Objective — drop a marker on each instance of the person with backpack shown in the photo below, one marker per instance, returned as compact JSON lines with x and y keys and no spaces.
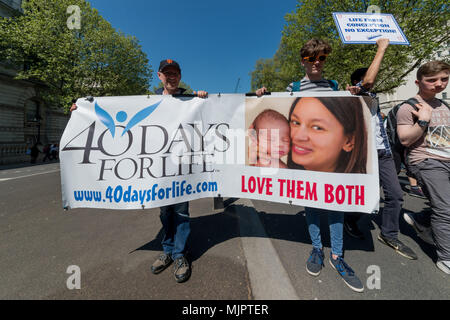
{"x":313,"y":56}
{"x":363,"y":80}
{"x":424,"y":128}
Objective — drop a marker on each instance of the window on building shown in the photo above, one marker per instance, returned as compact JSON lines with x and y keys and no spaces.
{"x":32,"y":113}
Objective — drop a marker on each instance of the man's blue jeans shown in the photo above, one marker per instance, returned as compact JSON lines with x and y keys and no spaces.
{"x":175,"y":221}
{"x":335,"y":222}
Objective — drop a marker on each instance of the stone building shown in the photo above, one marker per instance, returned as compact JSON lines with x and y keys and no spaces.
{"x":25,"y":118}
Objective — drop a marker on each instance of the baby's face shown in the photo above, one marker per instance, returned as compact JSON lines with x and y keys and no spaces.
{"x":274,"y":137}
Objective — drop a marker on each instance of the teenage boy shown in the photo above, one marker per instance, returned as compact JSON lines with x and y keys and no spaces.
{"x":363,"y":80}
{"x":313,"y":56}
{"x":424,"y":130}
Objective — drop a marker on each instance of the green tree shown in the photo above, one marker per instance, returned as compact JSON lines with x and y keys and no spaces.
{"x":93,"y":60}
{"x":424,"y":22}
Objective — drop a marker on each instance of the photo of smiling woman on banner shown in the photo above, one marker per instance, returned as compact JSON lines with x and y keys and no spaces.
{"x":328,"y":134}
{"x":325,"y":134}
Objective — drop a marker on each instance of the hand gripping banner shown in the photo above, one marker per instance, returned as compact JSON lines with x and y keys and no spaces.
{"x":309,"y":149}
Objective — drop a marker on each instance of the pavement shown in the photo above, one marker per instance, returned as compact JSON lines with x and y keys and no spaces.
{"x":251,"y":250}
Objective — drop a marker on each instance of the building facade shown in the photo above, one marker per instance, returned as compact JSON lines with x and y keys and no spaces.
{"x":10,"y":8}
{"x":25,"y":118}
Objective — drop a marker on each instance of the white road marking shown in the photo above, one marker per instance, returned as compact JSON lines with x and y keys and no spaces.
{"x":269,"y":279}
{"x":34,"y":174}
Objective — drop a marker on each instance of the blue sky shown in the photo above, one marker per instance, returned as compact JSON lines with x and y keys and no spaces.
{"x":215,"y":42}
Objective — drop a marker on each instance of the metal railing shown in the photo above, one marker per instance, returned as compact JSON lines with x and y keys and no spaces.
{"x":13,"y":153}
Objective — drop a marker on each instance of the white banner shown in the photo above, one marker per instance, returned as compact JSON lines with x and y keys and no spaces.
{"x":367,"y":28}
{"x":309,"y":149}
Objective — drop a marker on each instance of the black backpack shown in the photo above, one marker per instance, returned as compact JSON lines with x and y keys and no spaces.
{"x":391,"y":124}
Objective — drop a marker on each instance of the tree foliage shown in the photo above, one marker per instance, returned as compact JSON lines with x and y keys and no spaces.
{"x":424,"y":22}
{"x":94,"y":60}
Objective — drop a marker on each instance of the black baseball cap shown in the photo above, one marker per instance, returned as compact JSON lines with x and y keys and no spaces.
{"x":167,"y":63}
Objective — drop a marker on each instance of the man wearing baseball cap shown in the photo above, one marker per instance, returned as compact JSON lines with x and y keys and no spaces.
{"x":175,"y":217}
{"x":169,"y":72}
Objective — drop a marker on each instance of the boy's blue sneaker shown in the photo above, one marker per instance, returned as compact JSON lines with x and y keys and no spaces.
{"x":315,"y":262}
{"x":347,"y":274}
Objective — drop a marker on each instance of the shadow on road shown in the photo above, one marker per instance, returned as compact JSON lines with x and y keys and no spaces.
{"x":210,"y":230}
{"x":294,"y":228}
{"x":407,"y":230}
{"x":206,"y":232}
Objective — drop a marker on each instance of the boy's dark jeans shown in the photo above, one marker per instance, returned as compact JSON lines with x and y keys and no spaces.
{"x":393,"y":196}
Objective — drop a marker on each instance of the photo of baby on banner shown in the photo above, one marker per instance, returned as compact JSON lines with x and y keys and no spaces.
{"x":326,"y":134}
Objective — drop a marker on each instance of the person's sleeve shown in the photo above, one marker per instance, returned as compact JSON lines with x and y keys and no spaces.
{"x":363,"y":90}
{"x":404,"y":115}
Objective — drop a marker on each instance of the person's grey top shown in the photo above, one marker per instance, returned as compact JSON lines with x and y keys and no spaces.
{"x":308,"y":85}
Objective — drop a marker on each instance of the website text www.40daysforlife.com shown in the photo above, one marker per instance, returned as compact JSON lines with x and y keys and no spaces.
{"x":124,"y":194}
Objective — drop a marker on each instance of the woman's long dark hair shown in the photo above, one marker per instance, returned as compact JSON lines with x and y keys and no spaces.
{"x":348,"y":111}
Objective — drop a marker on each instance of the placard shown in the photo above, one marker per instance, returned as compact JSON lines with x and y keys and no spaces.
{"x":367,"y":28}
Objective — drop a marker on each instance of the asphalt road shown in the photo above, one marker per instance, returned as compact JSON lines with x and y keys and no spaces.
{"x":250,"y":250}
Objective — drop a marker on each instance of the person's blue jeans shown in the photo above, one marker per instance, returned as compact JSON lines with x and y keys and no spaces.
{"x":175,"y":221}
{"x":335,"y":222}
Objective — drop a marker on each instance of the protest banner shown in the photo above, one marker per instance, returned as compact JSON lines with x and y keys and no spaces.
{"x":367,"y":28}
{"x":149,"y":151}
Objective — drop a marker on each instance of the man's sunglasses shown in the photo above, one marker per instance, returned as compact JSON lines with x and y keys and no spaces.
{"x":315,"y":58}
{"x":170,"y":74}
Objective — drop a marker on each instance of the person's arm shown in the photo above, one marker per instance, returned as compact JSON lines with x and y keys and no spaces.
{"x":369,"y":78}
{"x":410,"y":133}
{"x":371,"y":74}
{"x":355,"y":90}
{"x":74,"y":106}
